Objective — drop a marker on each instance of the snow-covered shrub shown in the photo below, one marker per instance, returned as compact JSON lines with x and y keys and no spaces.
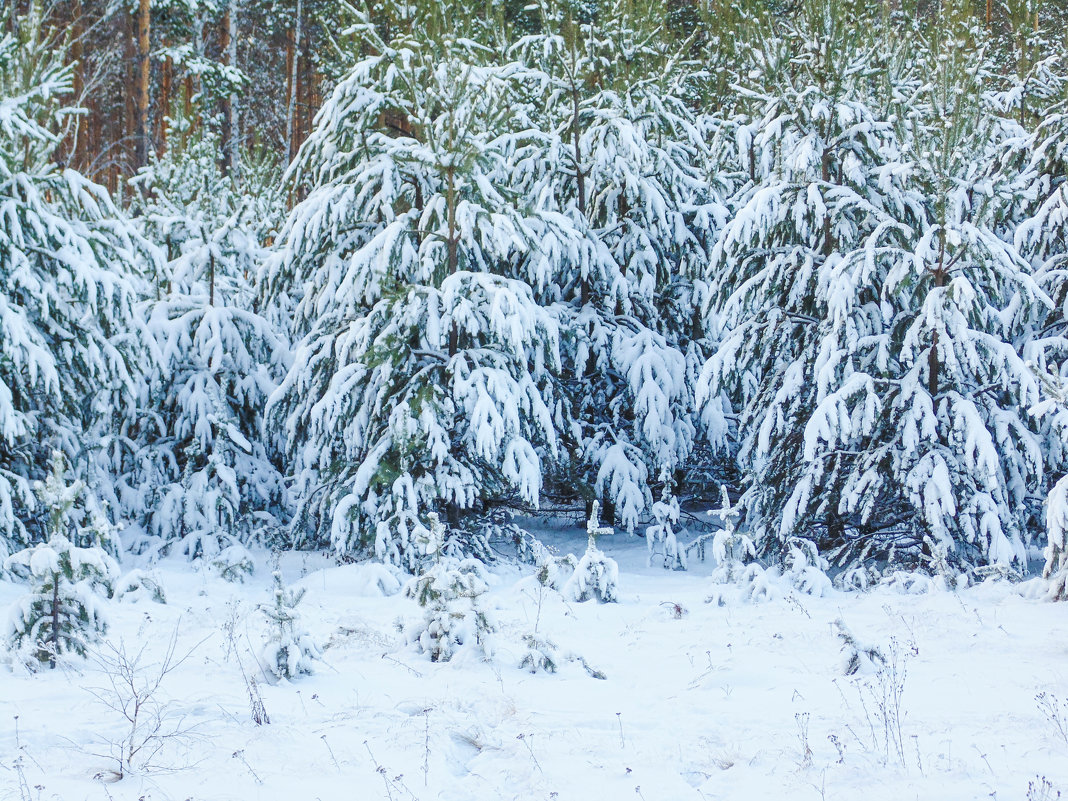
{"x":529,"y":549}
{"x":541,"y":655}
{"x":860,"y":578}
{"x":290,"y":650}
{"x":730,"y":549}
{"x":660,"y":537}
{"x":233,"y":563}
{"x":857,"y":657}
{"x":1056,"y":567}
{"x":554,"y":571}
{"x":139,"y":585}
{"x":450,"y":591}
{"x":909,"y":582}
{"x":596,"y":575}
{"x":550,"y":570}
{"x":752,"y":583}
{"x":804,"y":568}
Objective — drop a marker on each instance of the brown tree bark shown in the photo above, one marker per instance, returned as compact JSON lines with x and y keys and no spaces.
{"x":187,"y":109}
{"x":296,"y":37}
{"x":226,"y":103}
{"x":141,"y":139}
{"x":77,"y":145}
{"x":164,"y":103}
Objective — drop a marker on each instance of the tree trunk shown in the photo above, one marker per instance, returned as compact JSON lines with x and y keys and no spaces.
{"x":77,"y":144}
{"x":825,"y":174}
{"x":166,"y":76}
{"x":291,"y":61}
{"x":452,"y":244}
{"x":55,"y":623}
{"x":228,"y":46}
{"x":141,"y":143}
{"x":940,"y":276}
{"x":307,"y":108}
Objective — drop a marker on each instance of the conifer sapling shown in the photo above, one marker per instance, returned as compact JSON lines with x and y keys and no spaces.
{"x":596,"y":575}
{"x":63,"y":612}
{"x":290,"y":650}
{"x":450,"y":591}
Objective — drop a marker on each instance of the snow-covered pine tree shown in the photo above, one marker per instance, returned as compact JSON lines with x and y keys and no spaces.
{"x":620,"y":158}
{"x":1039,"y":229}
{"x":880,"y":378}
{"x":660,"y":537}
{"x":1056,"y":567}
{"x":289,"y":651}
{"x":423,"y":377}
{"x":959,"y":451}
{"x":70,"y":335}
{"x":596,"y":575}
{"x":792,"y":287}
{"x":198,"y":474}
{"x":450,"y":591}
{"x":63,"y":613}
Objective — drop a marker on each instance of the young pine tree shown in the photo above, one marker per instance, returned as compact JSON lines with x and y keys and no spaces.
{"x":63,"y":613}
{"x":422,"y":379}
{"x":290,"y":650}
{"x":71,"y":343}
{"x":450,"y":592}
{"x":198,"y":474}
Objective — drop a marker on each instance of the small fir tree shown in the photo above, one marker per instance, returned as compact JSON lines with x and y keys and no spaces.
{"x":450,"y":591}
{"x":290,"y":651}
{"x":596,"y":575}
{"x":730,"y":549}
{"x":661,"y":535}
{"x":63,"y":612}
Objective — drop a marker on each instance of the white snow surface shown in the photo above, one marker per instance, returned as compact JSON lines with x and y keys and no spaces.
{"x":700,"y":701}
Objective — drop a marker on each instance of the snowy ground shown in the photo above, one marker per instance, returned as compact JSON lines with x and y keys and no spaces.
{"x":700,"y":701}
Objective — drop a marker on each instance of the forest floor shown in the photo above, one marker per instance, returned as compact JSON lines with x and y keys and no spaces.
{"x":743,"y":700}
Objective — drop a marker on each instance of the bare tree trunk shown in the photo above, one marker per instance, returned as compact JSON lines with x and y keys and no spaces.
{"x":235,"y":109}
{"x":141,"y":143}
{"x":291,"y":110}
{"x":77,"y":53}
{"x":126,"y":135}
{"x":187,"y":109}
{"x":309,"y":84}
{"x":228,"y":45}
{"x":55,"y":623}
{"x":164,"y":102}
